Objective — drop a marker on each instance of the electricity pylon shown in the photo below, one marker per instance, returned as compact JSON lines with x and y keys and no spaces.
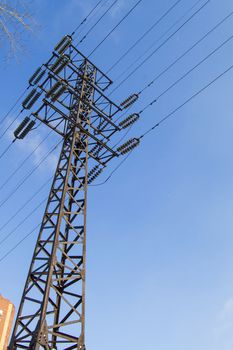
{"x":67,"y":94}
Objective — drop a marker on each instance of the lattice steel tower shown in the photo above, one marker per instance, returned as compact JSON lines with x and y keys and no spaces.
{"x":67,"y":94}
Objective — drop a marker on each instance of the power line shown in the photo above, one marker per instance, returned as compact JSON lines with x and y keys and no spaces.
{"x":187,"y":73}
{"x":169,"y":115}
{"x":175,"y":83}
{"x":22,"y":222}
{"x":13,"y":106}
{"x":113,"y":172}
{"x":144,"y":35}
{"x":24,"y":161}
{"x":160,"y":46}
{"x":11,"y":123}
{"x":115,"y":27}
{"x":28,"y":175}
{"x":179,"y":80}
{"x":86,"y":18}
{"x":142,"y":136}
{"x":97,"y":22}
{"x":26,"y":203}
{"x":159,"y":38}
{"x":186,"y":52}
{"x":89,"y":31}
{"x":19,"y":243}
{"x":6,"y":150}
{"x":162,"y":120}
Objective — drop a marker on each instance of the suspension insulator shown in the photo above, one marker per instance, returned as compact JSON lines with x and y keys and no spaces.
{"x":31,"y":99}
{"x":27,"y":129}
{"x":63,"y":44}
{"x":53,"y":89}
{"x":58,"y":93}
{"x":97,"y":151}
{"x":24,"y":128}
{"x":96,"y":174}
{"x":21,"y":126}
{"x":129,"y":101}
{"x":36,"y":77}
{"x":93,"y":170}
{"x":94,"y":149}
{"x":60,"y":64}
{"x":130,"y":120}
{"x":128,"y":146}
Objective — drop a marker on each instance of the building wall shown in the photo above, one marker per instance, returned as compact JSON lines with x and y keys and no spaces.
{"x":7,"y":311}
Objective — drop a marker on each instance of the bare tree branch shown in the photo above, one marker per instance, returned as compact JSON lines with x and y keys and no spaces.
{"x":15,"y":21}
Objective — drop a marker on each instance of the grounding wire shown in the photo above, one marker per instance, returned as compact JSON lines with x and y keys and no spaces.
{"x":159,"y":47}
{"x":116,"y":26}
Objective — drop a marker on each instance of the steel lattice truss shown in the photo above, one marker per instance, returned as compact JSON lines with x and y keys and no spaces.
{"x":67,"y":94}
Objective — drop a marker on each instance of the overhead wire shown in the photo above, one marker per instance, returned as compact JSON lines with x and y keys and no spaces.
{"x":6,"y":150}
{"x":163,"y":119}
{"x":9,"y":220}
{"x":23,"y":93}
{"x":159,"y":39}
{"x":143,"y":135}
{"x":13,"y":106}
{"x":186,"y":52}
{"x":149,"y":85}
{"x":86,"y":18}
{"x":169,"y":115}
{"x":28,"y":175}
{"x":19,"y":243}
{"x":115,"y":27}
{"x":219,"y":47}
{"x":32,"y":152}
{"x":24,"y":161}
{"x":6,"y":237}
{"x":97,"y":22}
{"x":160,"y":46}
{"x":143,"y":35}
{"x":20,"y":97}
{"x":222,"y":44}
{"x":11,"y":123}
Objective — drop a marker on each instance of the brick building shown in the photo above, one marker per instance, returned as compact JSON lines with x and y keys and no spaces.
{"x":7,"y":311}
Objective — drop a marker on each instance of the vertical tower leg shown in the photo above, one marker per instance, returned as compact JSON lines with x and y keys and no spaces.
{"x":52,"y":309}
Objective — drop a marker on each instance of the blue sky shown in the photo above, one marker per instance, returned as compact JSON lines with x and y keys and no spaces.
{"x":160,"y":231}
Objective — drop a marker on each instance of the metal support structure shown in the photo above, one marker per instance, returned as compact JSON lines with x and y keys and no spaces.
{"x":52,"y":310}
